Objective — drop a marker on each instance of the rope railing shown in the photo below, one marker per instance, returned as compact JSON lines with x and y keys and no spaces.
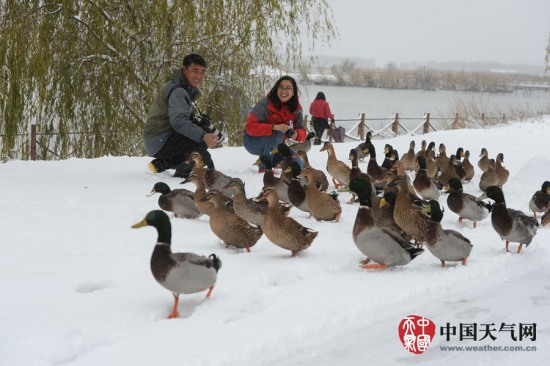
{"x":392,"y":128}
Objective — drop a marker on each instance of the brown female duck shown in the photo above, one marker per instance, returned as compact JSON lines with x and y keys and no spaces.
{"x":483,"y":162}
{"x":212,"y":178}
{"x":489,"y":177}
{"x":320,"y":177}
{"x":409,"y":218}
{"x":337,"y":169}
{"x":408,"y":158}
{"x":374,"y":171}
{"x":229,"y":227}
{"x":322,"y":206}
{"x":468,"y":167}
{"x":442,"y":160}
{"x":281,"y":230}
{"x":502,"y":172}
{"x":205,"y":207}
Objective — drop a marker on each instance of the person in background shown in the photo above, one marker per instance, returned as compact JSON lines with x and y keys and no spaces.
{"x":320,"y":114}
{"x":274,"y":119}
{"x":173,"y":130}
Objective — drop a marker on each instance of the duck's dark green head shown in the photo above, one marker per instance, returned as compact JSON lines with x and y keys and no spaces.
{"x":161,"y":187}
{"x":495,"y":193}
{"x":369,"y":136}
{"x":434,"y":210}
{"x":394,"y":155}
{"x":388,"y":149}
{"x":546,"y":187}
{"x":362,"y":189}
{"x":310,"y":135}
{"x":352,"y":154}
{"x":421,"y":162}
{"x":284,"y":150}
{"x":369,"y":149}
{"x":159,"y":220}
{"x":389,"y":198}
{"x":295,"y":169}
{"x":431,"y":146}
{"x":459,"y":153}
{"x":454,"y":183}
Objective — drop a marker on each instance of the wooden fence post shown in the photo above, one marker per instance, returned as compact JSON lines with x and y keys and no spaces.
{"x":33,"y":142}
{"x":482,"y":118}
{"x":455,"y":125}
{"x":426,"y":128}
{"x":361,"y":129}
{"x":503,"y":117}
{"x":395,"y":124}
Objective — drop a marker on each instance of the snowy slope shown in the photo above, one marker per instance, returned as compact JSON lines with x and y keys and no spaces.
{"x":77,"y":289}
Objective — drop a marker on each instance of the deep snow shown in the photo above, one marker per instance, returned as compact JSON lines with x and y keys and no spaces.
{"x":77,"y":289}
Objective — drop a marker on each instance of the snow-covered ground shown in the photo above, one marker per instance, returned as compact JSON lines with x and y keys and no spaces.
{"x":77,"y":289}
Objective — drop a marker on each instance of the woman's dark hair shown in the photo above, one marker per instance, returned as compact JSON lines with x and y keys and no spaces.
{"x":292,"y":103}
{"x":321,"y":96}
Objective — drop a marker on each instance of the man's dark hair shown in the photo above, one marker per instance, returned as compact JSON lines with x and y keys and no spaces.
{"x":193,"y":58}
{"x":292,"y":103}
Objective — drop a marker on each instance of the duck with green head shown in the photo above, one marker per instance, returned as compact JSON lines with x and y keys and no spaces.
{"x":179,"y":273}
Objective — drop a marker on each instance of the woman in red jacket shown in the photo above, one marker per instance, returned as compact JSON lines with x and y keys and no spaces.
{"x":275,"y":118}
{"x":320,"y":114}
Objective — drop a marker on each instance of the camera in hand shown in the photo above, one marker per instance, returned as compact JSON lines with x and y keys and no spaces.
{"x":203,"y":121}
{"x":289,"y":133}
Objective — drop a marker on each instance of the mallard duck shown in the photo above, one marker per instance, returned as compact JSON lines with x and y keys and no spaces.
{"x":179,"y":201}
{"x":384,"y":215}
{"x":458,"y":164}
{"x":205,"y":207}
{"x":229,"y":227}
{"x":409,"y":218}
{"x":270,"y":180}
{"x":322,"y":206}
{"x":304,"y":145}
{"x":425,"y":186}
{"x":540,"y":202}
{"x":380,"y":244}
{"x":502,"y":172}
{"x":483,"y":162}
{"x":445,"y":245}
{"x":468,"y":167}
{"x":465,"y":205}
{"x":281,"y":230}
{"x":408,"y":158}
{"x":442,"y":160}
{"x":321,"y":180}
{"x":212,"y":178}
{"x":179,"y":273}
{"x":374,"y":171}
{"x":296,"y":188}
{"x":489,"y":177}
{"x":248,"y":208}
{"x":337,"y":169}
{"x":360,"y":154}
{"x":355,"y":170}
{"x":511,"y":225}
{"x":388,"y":160}
{"x":449,"y":172}
{"x":431,"y":166}
{"x":422,"y":152}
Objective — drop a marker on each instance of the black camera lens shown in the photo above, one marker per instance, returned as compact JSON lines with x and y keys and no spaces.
{"x":289,"y":133}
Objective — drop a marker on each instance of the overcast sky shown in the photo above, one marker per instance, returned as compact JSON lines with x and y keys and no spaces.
{"x":506,"y":31}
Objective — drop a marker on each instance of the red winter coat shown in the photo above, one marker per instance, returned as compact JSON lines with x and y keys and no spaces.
{"x":320,"y":109}
{"x":264,"y":115}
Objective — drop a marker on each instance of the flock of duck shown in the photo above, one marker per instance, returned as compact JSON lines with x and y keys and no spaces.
{"x":399,"y":212}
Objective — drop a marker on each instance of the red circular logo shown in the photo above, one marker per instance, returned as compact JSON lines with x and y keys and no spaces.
{"x":416,"y":333}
